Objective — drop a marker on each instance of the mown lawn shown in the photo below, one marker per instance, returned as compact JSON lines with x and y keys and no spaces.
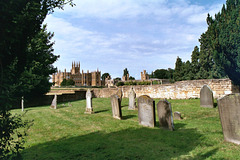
{"x":68,"y":133}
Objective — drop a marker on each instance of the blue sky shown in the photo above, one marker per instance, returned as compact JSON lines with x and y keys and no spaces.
{"x":136,"y":34}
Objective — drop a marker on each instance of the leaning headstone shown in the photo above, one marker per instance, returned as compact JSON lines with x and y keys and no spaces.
{"x":54,"y":102}
{"x":206,"y":97}
{"x":229,"y":111}
{"x":165,"y":115}
{"x":146,"y":111}
{"x":132,"y":103}
{"x":177,"y":116}
{"x":116,"y":107}
{"x":89,"y":109}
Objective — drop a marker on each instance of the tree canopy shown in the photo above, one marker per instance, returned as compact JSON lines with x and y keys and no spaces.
{"x":25,"y":61}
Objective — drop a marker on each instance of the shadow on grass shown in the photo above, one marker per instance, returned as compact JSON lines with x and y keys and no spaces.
{"x":140,"y":143}
{"x":105,"y":110}
{"x":128,"y":117}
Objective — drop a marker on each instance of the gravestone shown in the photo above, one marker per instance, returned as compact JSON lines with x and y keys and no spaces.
{"x":89,"y":109}
{"x":22,"y":104}
{"x":165,"y":115}
{"x":146,"y":111}
{"x":119,"y":93}
{"x":229,"y":112}
{"x":177,"y":116}
{"x":116,"y":107}
{"x":132,"y":103}
{"x":206,"y":97}
{"x":69,"y":104}
{"x":54,"y":102}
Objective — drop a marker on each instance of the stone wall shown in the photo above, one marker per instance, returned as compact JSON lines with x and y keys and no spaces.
{"x":178,"y":90}
{"x":47,"y":99}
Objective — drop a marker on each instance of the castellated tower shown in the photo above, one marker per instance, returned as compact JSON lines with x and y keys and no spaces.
{"x":75,"y":68}
{"x":80,"y":79}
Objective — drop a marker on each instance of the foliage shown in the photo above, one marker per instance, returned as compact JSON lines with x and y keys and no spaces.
{"x":144,"y":83}
{"x":64,"y":82}
{"x":68,"y":82}
{"x":131,"y":78}
{"x":130,"y":83}
{"x":125,"y":72}
{"x":117,"y":79}
{"x":120,"y":83}
{"x":71,"y":134}
{"x":25,"y":59}
{"x":224,"y":36}
{"x":11,"y":142}
{"x":105,"y":75}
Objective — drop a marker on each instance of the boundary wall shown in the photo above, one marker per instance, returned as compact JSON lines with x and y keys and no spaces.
{"x":179,"y":90}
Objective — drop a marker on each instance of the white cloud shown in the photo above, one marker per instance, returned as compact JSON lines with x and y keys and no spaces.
{"x":158,"y":32}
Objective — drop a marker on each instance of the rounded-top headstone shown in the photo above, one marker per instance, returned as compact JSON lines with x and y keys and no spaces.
{"x":229,"y":112}
{"x":116,"y":107}
{"x":89,"y":108}
{"x":206,"y":97}
{"x":146,"y":111}
{"x":165,"y":115}
{"x":132,"y":103}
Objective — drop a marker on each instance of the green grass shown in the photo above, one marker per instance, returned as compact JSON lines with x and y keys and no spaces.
{"x":68,"y":133}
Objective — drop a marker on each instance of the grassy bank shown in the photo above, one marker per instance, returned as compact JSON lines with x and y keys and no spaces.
{"x":68,"y":133}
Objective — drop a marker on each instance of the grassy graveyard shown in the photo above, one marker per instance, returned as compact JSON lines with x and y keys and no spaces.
{"x":68,"y":133}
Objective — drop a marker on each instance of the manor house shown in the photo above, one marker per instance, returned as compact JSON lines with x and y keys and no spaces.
{"x":80,"y":79}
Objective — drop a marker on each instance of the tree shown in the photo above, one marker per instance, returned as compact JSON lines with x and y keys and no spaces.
{"x":131,"y":78}
{"x":20,"y":25}
{"x":70,"y":82}
{"x":178,"y":73}
{"x":105,"y":75}
{"x":64,"y":82}
{"x":125,"y":72}
{"x":195,"y":61}
{"x":161,"y":74}
{"x":225,"y":39}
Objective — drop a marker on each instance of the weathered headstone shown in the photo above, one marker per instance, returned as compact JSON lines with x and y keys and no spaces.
{"x":165,"y":115}
{"x":69,"y":104}
{"x":132,"y":103}
{"x":177,"y":116}
{"x":229,"y":112}
{"x":54,"y":102}
{"x":89,"y":109}
{"x":119,"y":93}
{"x":206,"y":97}
{"x":22,"y":104}
{"x":146,"y":111}
{"x":116,"y":107}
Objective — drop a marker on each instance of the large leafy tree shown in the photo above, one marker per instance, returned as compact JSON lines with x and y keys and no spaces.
{"x":105,"y":75}
{"x":225,"y":37}
{"x":25,"y":59}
